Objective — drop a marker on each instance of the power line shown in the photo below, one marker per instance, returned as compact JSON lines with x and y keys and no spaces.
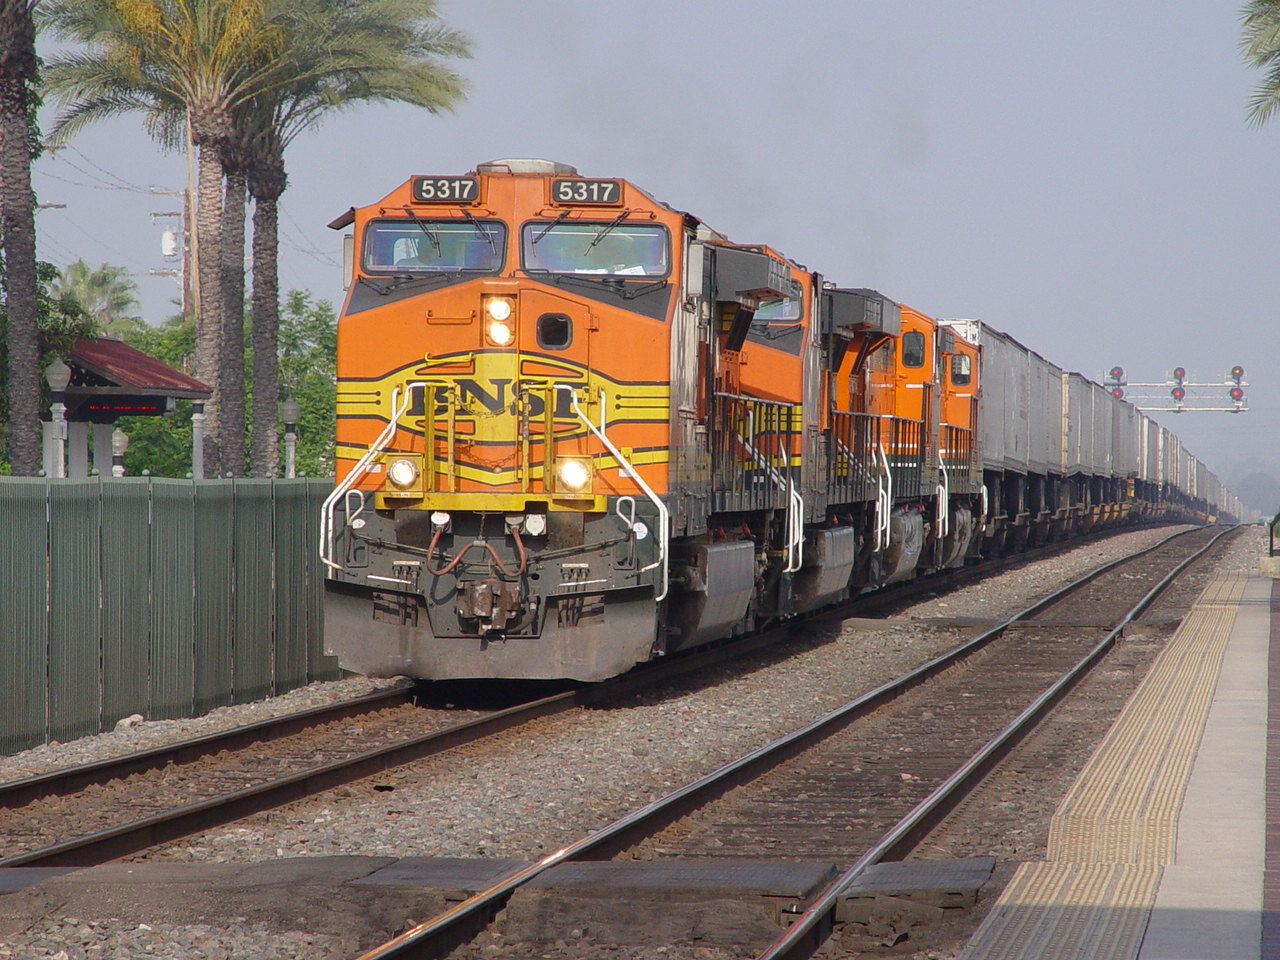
{"x":314,"y":252}
{"x":80,"y":183}
{"x":57,"y":248}
{"x":322,"y":260}
{"x":89,"y":160}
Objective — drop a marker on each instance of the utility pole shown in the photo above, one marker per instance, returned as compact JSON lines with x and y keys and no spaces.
{"x":169,"y":244}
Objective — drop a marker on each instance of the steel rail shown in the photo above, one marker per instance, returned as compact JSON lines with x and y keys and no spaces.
{"x":16,"y":793}
{"x":435,"y":937}
{"x":191,"y":818}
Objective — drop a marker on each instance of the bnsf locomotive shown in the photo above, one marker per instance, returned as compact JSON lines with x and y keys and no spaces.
{"x":578,"y":429}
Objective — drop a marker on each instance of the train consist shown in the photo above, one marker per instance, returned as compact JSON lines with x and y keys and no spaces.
{"x":578,"y":429}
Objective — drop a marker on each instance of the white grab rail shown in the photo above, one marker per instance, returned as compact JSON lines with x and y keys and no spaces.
{"x":944,"y":501}
{"x":359,"y":471}
{"x":664,"y":516}
{"x":795,"y":528}
{"x":884,"y":503}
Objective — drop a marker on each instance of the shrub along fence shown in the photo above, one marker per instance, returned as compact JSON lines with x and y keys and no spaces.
{"x":160,"y":597}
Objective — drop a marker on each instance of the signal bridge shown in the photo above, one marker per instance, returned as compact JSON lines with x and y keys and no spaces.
{"x":1178,"y":387}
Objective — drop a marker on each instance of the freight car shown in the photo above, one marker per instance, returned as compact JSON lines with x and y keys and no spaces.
{"x":578,"y":429}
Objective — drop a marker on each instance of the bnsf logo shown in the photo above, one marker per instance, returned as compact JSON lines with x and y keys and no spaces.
{"x":494,"y":395}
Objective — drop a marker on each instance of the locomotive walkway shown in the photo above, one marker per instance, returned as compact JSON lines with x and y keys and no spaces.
{"x":1167,"y":847}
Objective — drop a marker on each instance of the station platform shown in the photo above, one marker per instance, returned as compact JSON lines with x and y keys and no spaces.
{"x":1167,"y":846}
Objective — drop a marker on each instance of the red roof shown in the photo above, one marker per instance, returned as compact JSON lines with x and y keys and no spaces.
{"x":123,"y":366}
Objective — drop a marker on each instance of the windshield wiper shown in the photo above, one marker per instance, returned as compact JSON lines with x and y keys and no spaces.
{"x":385,"y":285}
{"x":545,"y":230}
{"x":630,"y":293}
{"x":481,"y":229}
{"x":605,"y":229}
{"x":425,"y":228}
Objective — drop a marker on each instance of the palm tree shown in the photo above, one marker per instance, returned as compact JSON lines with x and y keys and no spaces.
{"x":234,"y":167}
{"x":246,"y":76}
{"x":1260,"y":43}
{"x":196,"y":59}
{"x":106,"y":293}
{"x":347,"y":53}
{"x":17,"y":221}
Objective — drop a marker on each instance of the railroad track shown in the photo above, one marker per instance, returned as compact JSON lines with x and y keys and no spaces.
{"x":87,"y":815}
{"x":81,"y":816}
{"x":859,"y":771}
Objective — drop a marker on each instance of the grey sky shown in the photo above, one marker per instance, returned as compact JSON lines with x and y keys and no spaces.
{"x":1079,"y":175}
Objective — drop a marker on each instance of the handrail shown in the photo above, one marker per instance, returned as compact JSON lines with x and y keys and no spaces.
{"x":795,"y":500}
{"x":795,"y":527}
{"x":664,"y":516}
{"x":358,"y":472}
{"x":884,"y":502}
{"x":944,"y":500}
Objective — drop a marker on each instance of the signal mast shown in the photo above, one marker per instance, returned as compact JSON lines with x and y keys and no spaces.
{"x":1177,"y":385}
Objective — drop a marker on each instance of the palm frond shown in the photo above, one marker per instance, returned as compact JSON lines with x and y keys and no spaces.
{"x":1260,"y":44}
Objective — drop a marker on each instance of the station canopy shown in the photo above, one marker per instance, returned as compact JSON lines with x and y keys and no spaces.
{"x":111,"y":379}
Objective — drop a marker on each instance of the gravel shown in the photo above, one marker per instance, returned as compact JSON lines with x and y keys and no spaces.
{"x":72,"y":939}
{"x":525,"y":793}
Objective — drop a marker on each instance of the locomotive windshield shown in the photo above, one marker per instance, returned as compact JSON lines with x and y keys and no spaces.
{"x":434,"y":246}
{"x":598,"y":249}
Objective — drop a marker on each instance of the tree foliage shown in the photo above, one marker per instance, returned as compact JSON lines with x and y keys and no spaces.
{"x":309,"y":374}
{"x":186,"y":64}
{"x":1260,"y":43}
{"x":242,"y":78}
{"x":107,"y":293}
{"x":308,"y":335}
{"x":347,"y":53}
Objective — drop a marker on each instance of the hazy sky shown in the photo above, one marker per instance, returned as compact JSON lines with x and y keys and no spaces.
{"x":1079,"y":176}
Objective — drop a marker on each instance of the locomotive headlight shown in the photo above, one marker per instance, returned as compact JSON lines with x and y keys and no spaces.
{"x":402,"y":473}
{"x":498,"y":312}
{"x":499,"y":308}
{"x":572,"y":474}
{"x":499,"y":333}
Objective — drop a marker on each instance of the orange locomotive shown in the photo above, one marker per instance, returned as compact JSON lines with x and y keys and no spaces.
{"x":579,"y":429}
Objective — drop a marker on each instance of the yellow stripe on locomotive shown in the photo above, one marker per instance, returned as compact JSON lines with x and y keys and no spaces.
{"x":491,"y":412}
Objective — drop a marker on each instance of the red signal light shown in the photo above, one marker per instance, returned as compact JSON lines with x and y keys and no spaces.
{"x":1116,"y":373}
{"x":1179,"y":373}
{"x":1178,"y":393}
{"x":1117,"y":392}
{"x":1237,"y":394}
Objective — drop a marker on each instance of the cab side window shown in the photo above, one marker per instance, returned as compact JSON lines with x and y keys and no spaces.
{"x":913,"y":349}
{"x":961,"y":369}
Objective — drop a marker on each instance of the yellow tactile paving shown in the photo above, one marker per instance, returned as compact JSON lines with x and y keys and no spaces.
{"x":1123,"y":806}
{"x":1059,"y":910}
{"x":1117,"y":827}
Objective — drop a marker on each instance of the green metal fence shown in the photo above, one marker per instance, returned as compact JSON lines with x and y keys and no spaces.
{"x":160,"y":597}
